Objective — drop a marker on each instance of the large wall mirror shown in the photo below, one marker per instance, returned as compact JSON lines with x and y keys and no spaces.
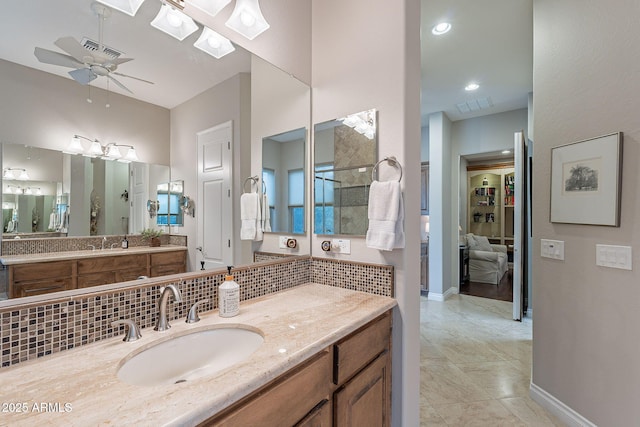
{"x":93,"y":192}
{"x":345,"y":153}
{"x":283,"y":176}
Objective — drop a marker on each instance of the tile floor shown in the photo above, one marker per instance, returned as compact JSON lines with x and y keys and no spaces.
{"x":475,"y":365}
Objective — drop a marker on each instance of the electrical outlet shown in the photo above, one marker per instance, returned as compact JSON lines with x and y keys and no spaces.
{"x":614,"y":256}
{"x":341,"y":246}
{"x":282,"y":242}
{"x":553,"y":249}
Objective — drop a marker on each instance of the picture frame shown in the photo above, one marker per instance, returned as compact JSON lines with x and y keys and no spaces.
{"x":586,"y":178}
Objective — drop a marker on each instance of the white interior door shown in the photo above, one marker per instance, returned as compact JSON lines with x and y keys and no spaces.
{"x":518,"y":223}
{"x":138,"y":196}
{"x":215,"y":224}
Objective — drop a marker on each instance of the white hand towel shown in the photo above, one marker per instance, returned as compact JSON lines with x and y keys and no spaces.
{"x":52,"y":221}
{"x":266,"y":214}
{"x":249,"y":211}
{"x":386,"y":215}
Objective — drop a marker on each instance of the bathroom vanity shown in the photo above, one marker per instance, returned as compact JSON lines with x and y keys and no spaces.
{"x":325,"y":360}
{"x":37,"y":274}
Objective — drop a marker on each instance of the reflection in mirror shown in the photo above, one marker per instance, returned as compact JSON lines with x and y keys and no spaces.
{"x":283,"y":180}
{"x":96,"y":191}
{"x":170,"y":202}
{"x":345,"y":152}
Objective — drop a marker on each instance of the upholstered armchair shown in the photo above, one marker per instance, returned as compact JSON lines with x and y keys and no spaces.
{"x":487,"y":262}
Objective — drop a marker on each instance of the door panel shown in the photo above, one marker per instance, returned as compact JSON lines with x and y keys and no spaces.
{"x":215,"y":225}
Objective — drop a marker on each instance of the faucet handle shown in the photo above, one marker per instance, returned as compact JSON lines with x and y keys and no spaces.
{"x":133,"y":331}
{"x":93,"y":247}
{"x":192,"y":316}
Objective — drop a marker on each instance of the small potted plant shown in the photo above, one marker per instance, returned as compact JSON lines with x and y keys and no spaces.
{"x":153,"y":235}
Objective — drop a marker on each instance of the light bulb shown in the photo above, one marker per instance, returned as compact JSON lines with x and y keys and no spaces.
{"x":247,"y":18}
{"x":441,"y":28}
{"x":173,"y":18}
{"x":214,"y":42}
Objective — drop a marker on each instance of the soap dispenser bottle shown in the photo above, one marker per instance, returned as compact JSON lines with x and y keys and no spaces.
{"x":125,"y":242}
{"x":229,"y":296}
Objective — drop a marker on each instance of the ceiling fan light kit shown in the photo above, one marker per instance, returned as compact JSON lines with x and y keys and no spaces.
{"x":247,"y":20}
{"x":130,"y":7}
{"x":173,"y":22}
{"x":214,"y":44}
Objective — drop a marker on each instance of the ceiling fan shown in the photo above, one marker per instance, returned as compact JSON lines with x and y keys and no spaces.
{"x":90,"y":59}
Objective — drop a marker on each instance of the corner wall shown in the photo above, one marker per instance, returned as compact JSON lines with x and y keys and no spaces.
{"x":367,"y":55}
{"x":585,"y":333}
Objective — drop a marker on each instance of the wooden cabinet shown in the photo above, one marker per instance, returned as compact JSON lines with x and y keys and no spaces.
{"x":41,"y":278}
{"x":347,"y":384}
{"x":287,"y":401}
{"x":168,"y":263}
{"x":52,"y":276}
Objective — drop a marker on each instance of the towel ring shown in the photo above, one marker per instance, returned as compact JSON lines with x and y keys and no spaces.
{"x":254,"y":180}
{"x":392,"y":161}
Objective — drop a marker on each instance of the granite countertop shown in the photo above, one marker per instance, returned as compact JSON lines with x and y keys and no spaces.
{"x":61,"y":256}
{"x":80,"y":387}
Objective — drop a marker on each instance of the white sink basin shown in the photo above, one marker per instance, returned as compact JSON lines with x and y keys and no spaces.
{"x":190,"y":356}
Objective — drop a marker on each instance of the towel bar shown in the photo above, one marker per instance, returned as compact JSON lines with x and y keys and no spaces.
{"x":392,"y":161}
{"x":254,"y":180}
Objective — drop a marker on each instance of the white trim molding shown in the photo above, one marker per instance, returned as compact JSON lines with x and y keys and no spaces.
{"x":442,"y":297}
{"x":557,"y":408}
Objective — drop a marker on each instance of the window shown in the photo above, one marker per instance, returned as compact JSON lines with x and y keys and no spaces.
{"x":324,"y":199}
{"x":269,"y":181}
{"x":296,"y":200}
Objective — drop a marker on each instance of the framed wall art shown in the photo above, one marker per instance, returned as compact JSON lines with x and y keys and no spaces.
{"x":586,"y":178}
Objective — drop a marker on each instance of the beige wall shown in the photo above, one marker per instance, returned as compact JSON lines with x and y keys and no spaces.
{"x":585,"y":334}
{"x":46,"y":111}
{"x":366,"y":55}
{"x":227,"y":101}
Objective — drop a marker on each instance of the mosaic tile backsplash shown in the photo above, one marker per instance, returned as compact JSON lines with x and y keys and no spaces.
{"x":31,"y":331}
{"x":66,"y":244}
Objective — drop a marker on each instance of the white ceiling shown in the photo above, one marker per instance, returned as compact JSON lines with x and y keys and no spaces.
{"x":491,"y":43}
{"x":179,"y":70}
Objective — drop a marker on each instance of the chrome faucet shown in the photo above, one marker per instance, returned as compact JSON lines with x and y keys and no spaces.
{"x":104,"y":240}
{"x":133,"y":331}
{"x":162,"y":324}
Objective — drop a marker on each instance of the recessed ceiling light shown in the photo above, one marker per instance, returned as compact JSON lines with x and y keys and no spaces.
{"x":441,"y":28}
{"x":506,"y":151}
{"x":471,"y":86}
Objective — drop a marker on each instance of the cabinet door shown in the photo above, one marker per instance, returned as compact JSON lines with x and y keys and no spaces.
{"x":320,"y":416}
{"x":131,"y":274}
{"x":96,"y":279}
{"x":366,"y":399}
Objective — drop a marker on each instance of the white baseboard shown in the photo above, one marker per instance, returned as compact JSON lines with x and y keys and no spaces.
{"x":441,"y":297}
{"x":557,"y":408}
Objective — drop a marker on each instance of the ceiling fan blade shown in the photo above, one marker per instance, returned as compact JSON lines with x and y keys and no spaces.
{"x":55,"y":58}
{"x":83,"y":75}
{"x":119,"y":84}
{"x":73,"y":48}
{"x":131,"y":77}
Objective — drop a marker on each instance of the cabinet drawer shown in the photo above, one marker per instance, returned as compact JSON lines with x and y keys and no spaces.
{"x":174,"y":257}
{"x":285,"y":402}
{"x":110,"y":263}
{"x":360,"y":348}
{"x":39,"y":287}
{"x":164,"y":270}
{"x":130,"y":274}
{"x":40,"y":270}
{"x":96,"y":279}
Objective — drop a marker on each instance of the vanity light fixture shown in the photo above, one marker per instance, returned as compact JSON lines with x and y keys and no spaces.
{"x":214,"y":44}
{"x":15,"y":173}
{"x":363,"y":123}
{"x":130,"y":7}
{"x":109,"y":152}
{"x":441,"y":28}
{"x":212,"y":7}
{"x":247,"y":19}
{"x":471,"y":87}
{"x":172,"y":21}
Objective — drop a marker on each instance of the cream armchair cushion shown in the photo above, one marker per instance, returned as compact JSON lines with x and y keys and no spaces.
{"x":487,"y":262}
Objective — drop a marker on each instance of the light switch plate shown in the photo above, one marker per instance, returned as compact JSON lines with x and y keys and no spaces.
{"x":553,"y":249}
{"x":341,"y":246}
{"x":614,"y":256}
